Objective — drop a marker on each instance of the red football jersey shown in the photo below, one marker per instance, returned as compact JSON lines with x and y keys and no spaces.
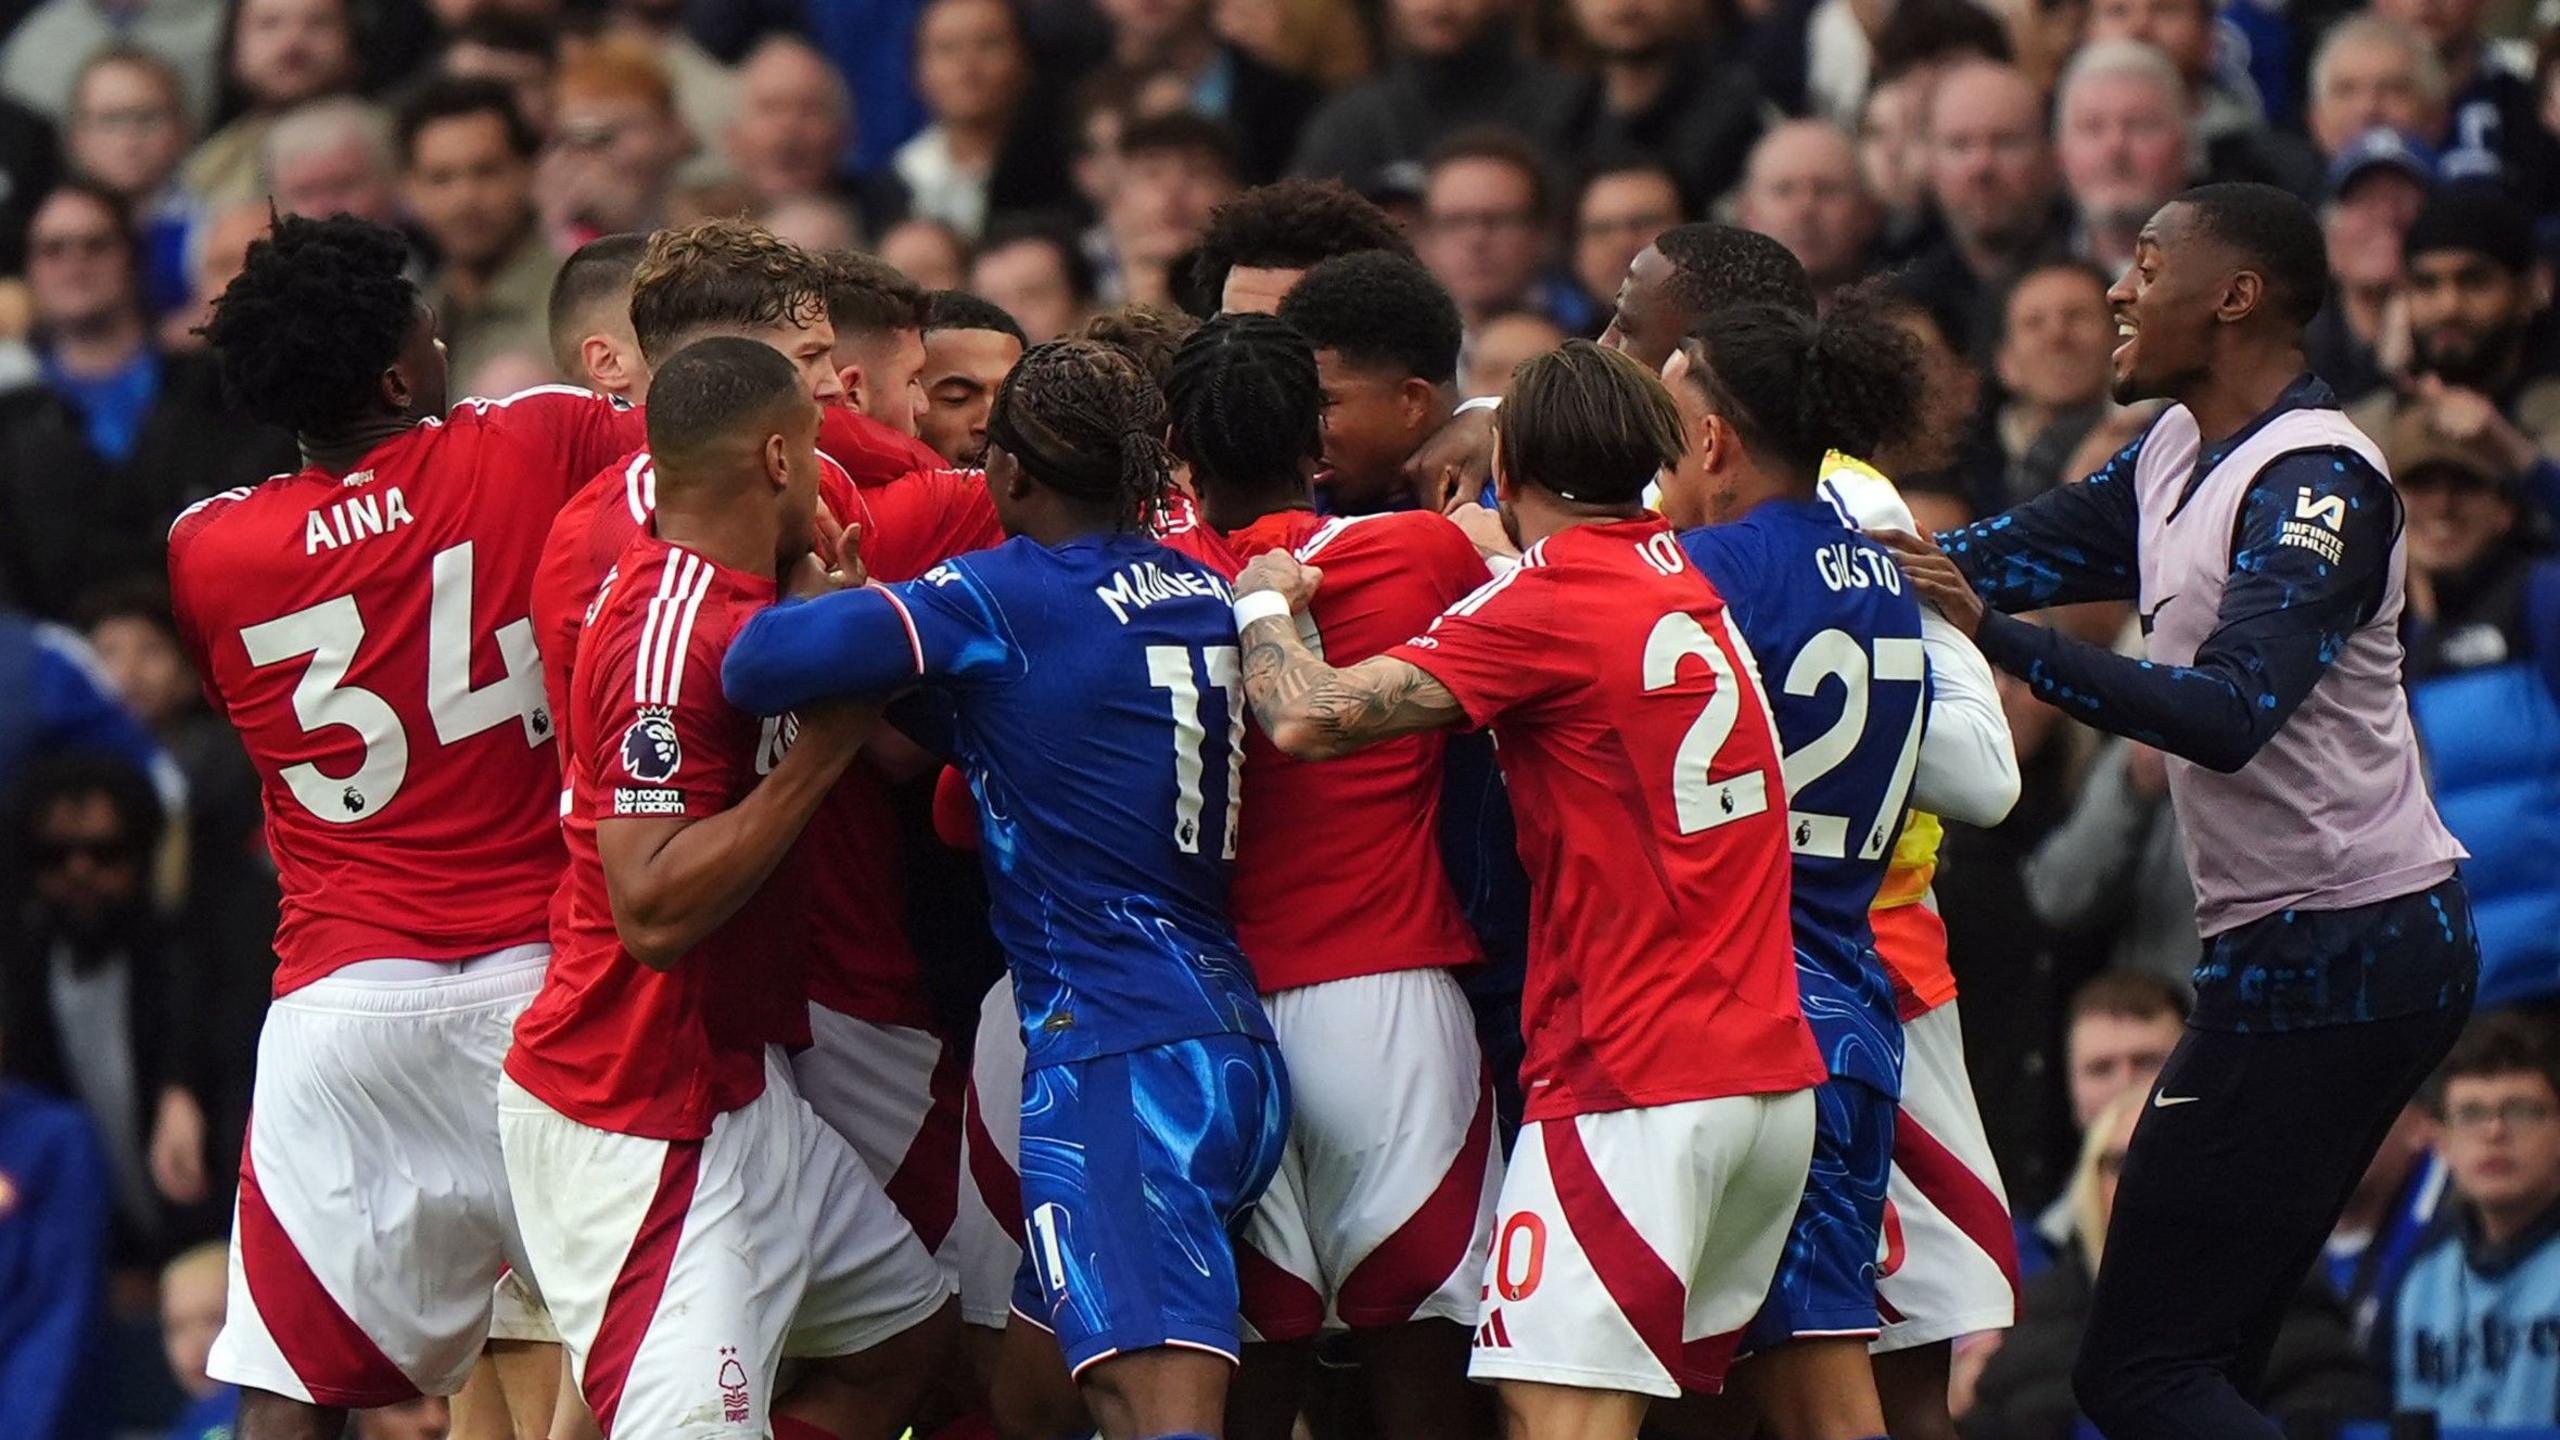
{"x":367,"y":636}
{"x":610,"y":1042}
{"x":1338,"y":867}
{"x":1644,"y":778}
{"x":872,"y":453}
{"x":861,"y":963}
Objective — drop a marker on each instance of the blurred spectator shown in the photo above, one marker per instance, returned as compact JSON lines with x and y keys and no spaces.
{"x":2494,"y":130}
{"x":278,"y":54}
{"x":615,"y":143}
{"x":2385,"y":1221}
{"x":90,"y":982}
{"x":96,"y":461}
{"x":990,"y":149}
{"x":2481,"y":352}
{"x":1499,"y":346}
{"x":1622,"y":207}
{"x":520,"y":53}
{"x":2115,"y":870}
{"x":2056,"y":361}
{"x":1894,"y":155}
{"x":30,"y":163}
{"x":40,"y":64}
{"x":2117,"y":1031}
{"x":708,"y":94}
{"x":63,"y":705}
{"x":970,"y":345}
{"x":1664,"y":88}
{"x":1452,"y":66}
{"x":1991,"y":170}
{"x":2122,"y":136}
{"x":331,"y":155}
{"x":2470,"y":1326}
{"x":1386,"y":338}
{"x":1802,"y":187}
{"x":193,"y":1291}
{"x":2313,"y":1375}
{"x":926,"y":251}
{"x":1488,"y":231}
{"x":815,"y":223}
{"x":2225,"y":113}
{"x":1175,"y":39}
{"x":1039,"y":276}
{"x":1324,"y":42}
{"x":1174,"y":171}
{"x":2483,"y":669}
{"x":53,"y":1246}
{"x":2371,"y":72}
{"x":2377,"y":185}
{"x":217,"y":247}
{"x":786,"y":135}
{"x":466,"y":159}
{"x":127,"y":132}
{"x":1259,"y":243}
{"x":1823,"y":59}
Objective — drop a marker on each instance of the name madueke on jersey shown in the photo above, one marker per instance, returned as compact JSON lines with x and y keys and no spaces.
{"x":1135,"y":587}
{"x":357,"y":517}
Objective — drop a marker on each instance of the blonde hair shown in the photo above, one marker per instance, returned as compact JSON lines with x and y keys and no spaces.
{"x":210,"y":1260}
{"x":2088,"y":1209}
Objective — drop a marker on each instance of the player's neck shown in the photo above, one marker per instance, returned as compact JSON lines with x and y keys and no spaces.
{"x":1228,"y":510}
{"x":1538,"y":515}
{"x":737,"y":537}
{"x":337,"y":454}
{"x":2241,"y":386}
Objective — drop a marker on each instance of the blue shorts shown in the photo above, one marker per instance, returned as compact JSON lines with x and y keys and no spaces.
{"x":1826,"y":1280}
{"x":1136,"y":1171}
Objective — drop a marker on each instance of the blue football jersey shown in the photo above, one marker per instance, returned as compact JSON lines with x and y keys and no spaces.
{"x":1093,"y":694}
{"x":1837,"y":637}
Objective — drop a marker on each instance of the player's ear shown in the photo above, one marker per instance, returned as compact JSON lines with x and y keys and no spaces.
{"x":396,"y":393}
{"x":850,"y":377}
{"x":777,"y":461}
{"x":2241,"y":295}
{"x":608,"y":371}
{"x":1415,"y":394}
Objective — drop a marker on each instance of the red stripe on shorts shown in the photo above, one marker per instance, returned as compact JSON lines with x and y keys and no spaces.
{"x":1277,"y":1304}
{"x":1411,"y":1265}
{"x":633,"y":1301}
{"x":1654,"y":1300}
{"x":926,"y":1188}
{"x":999,"y":1186}
{"x":1953,"y":1188}
{"x":332,"y":1356}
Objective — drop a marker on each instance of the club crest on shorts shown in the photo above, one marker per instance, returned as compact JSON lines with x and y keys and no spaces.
{"x":650,"y":752}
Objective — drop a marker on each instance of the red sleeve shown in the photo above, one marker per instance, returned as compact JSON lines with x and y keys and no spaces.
{"x":925,"y":517}
{"x":1495,"y":650}
{"x":870,"y":452}
{"x":664,"y":743}
{"x":583,"y":430}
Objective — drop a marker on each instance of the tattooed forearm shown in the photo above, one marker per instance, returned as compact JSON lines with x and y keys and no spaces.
{"x":1315,"y":712}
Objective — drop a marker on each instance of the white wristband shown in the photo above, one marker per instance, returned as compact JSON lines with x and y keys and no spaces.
{"x":1481,"y":402}
{"x":1261,"y":605}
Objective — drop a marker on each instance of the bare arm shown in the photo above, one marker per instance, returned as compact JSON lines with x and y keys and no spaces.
{"x":674,"y":881}
{"x":1310,"y":709}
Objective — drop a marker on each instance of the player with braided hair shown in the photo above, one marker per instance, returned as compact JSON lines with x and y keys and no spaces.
{"x":362,"y":623}
{"x":1382,"y":1212}
{"x":1109,"y":839}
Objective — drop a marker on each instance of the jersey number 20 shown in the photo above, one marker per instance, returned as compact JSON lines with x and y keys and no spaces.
{"x":330,"y":633}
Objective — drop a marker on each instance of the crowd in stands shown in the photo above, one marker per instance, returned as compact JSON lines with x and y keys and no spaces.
{"x":1034,"y":164}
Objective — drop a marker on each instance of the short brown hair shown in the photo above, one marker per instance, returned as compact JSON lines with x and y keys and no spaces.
{"x":1588,"y":424}
{"x":1150,"y":334}
{"x":2503,"y":1042}
{"x":2128,"y":995}
{"x":867,"y":296}
{"x":720,"y":274}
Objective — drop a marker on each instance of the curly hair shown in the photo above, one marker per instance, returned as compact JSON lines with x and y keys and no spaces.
{"x":318,"y":311}
{"x":868,"y":296}
{"x":1379,"y":310}
{"x":726,"y":273}
{"x":1148,"y":333}
{"x":1796,"y":387}
{"x":1290,"y":225}
{"x":1085,"y":419}
{"x":1714,"y":265}
{"x":1245,"y":403}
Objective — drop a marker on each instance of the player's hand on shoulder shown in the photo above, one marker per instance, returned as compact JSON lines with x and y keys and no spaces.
{"x":1484,"y":528}
{"x":1278,"y":572}
{"x":1935,"y":577}
{"x":1455,"y":463}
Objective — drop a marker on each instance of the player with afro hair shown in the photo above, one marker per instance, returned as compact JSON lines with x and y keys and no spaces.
{"x":1258,"y":244}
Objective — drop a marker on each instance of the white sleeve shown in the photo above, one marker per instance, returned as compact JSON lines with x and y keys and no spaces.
{"x":1968,"y":763}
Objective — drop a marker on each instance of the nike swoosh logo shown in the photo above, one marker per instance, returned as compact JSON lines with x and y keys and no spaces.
{"x":2164,"y":1101}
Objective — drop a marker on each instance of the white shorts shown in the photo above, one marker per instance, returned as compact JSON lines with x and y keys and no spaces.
{"x":373,"y":1223}
{"x":1635,"y":1244}
{"x":1382,"y":1209}
{"x":987,"y":1236}
{"x":1951,"y":1255}
{"x":895,"y":1094}
{"x":682,"y":1273}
